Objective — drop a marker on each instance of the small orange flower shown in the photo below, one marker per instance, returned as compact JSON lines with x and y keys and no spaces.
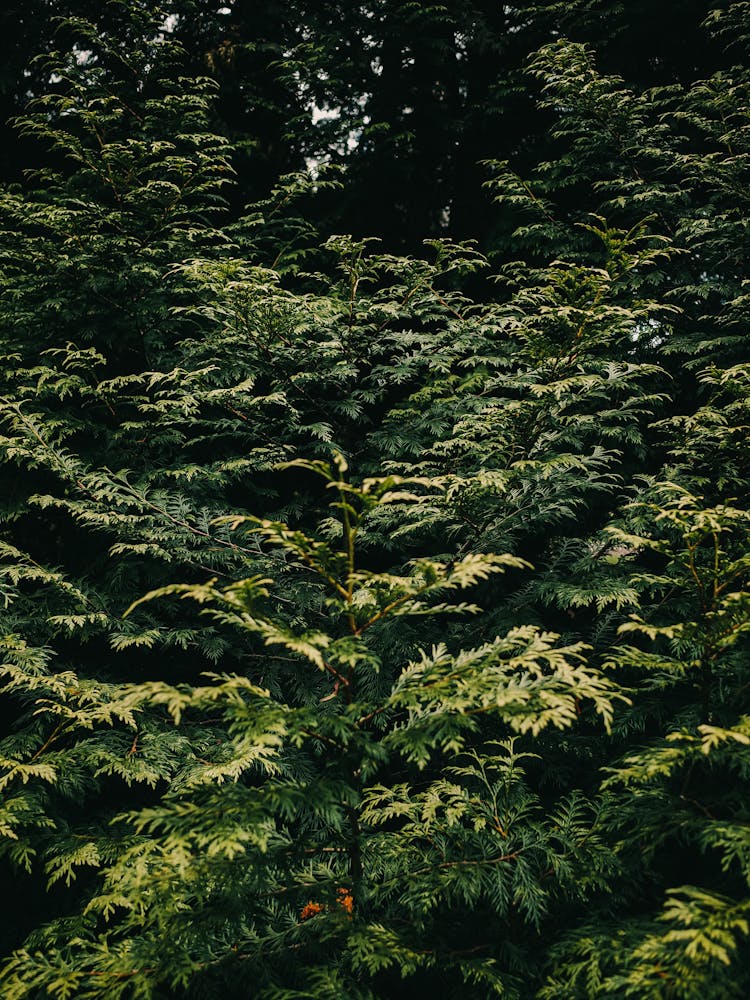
{"x":310,"y":910}
{"x":345,"y":899}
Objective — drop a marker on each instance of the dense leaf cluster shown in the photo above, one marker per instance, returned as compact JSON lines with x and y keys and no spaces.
{"x":376,"y":625}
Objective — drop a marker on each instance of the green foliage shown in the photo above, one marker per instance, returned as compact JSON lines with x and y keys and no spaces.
{"x":293,"y":815}
{"x":374,"y":625}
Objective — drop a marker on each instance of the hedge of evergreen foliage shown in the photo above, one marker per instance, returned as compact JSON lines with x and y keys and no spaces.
{"x":375,"y":625}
